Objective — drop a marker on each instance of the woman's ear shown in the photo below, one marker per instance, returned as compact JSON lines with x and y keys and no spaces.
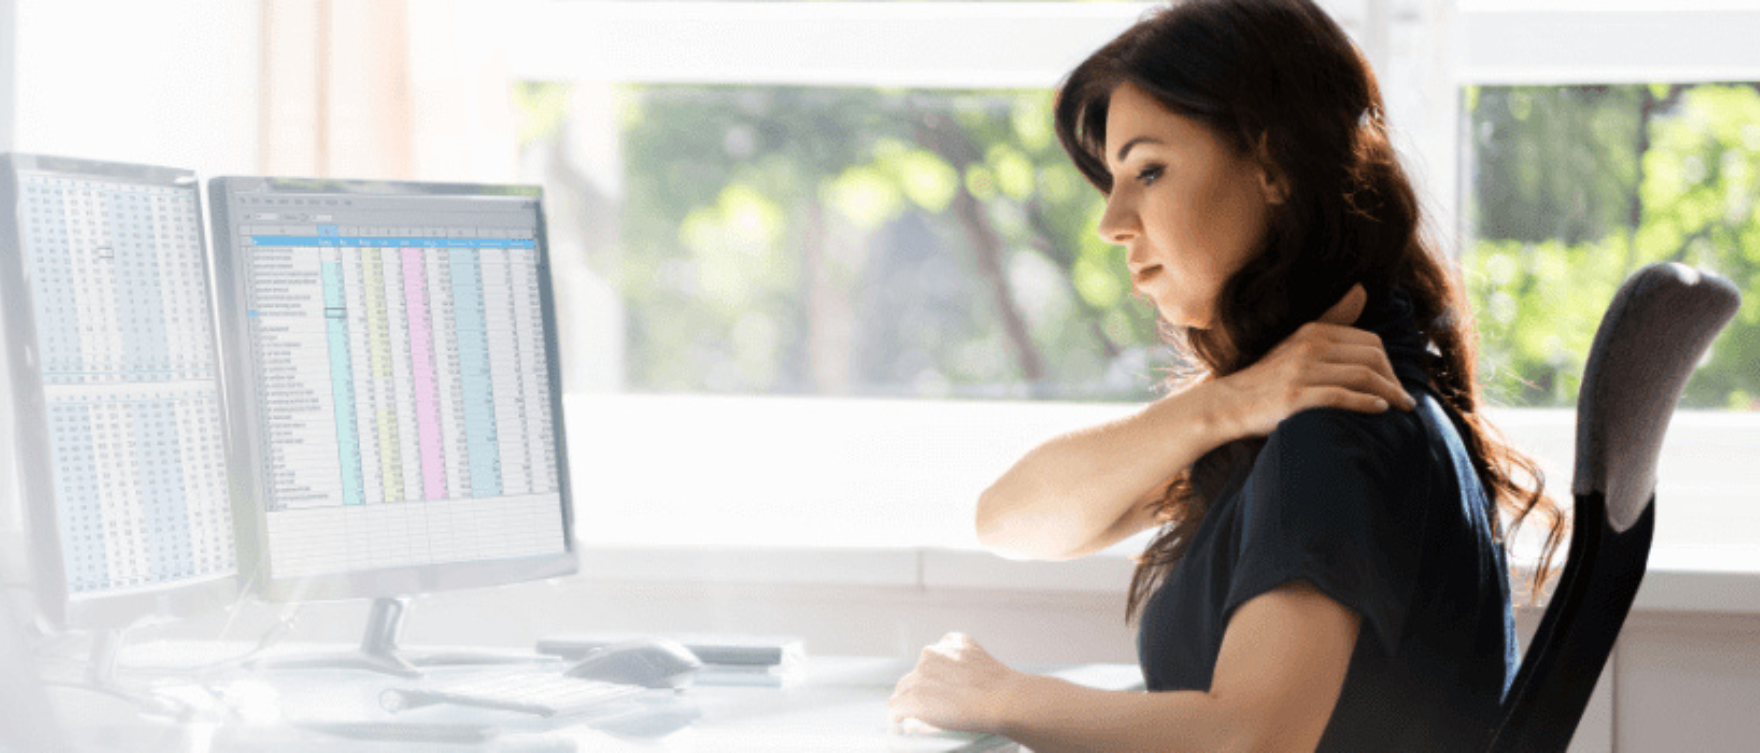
{"x":1274,"y":188}
{"x":1272,"y":185}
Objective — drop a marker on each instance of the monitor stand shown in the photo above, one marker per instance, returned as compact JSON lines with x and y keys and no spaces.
{"x":380,"y":653}
{"x":100,"y":677}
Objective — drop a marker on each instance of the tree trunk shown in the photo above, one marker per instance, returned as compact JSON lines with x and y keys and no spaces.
{"x":944,"y":139}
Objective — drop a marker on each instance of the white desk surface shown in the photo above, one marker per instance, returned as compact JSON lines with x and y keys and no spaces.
{"x":835,"y":704}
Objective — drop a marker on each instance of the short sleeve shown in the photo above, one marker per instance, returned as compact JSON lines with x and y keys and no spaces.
{"x":1339,"y":499}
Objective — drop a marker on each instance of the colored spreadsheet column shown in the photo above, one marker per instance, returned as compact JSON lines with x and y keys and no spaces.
{"x":348,"y":448}
{"x":164,"y":516}
{"x":366,"y":389}
{"x":379,"y":353}
{"x":421,"y":361}
{"x":82,"y":518}
{"x":473,"y":363}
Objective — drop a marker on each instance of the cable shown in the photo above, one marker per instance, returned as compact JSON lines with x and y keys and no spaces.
{"x":282,"y":625}
{"x":264,"y":642}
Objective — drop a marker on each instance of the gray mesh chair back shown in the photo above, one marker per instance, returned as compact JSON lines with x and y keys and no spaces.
{"x":1654,"y":333}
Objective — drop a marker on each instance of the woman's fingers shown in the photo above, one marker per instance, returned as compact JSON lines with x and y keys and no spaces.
{"x":956,"y":685}
{"x":1325,"y":362}
{"x":1372,"y":355}
{"x":906,"y":696}
{"x":931,"y":693}
{"x":1339,"y":397}
{"x":1336,"y":345}
{"x":903,"y":705}
{"x":1339,"y":333}
{"x":1363,"y":378}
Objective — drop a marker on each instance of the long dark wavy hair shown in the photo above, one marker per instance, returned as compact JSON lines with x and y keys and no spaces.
{"x":1280,"y":81}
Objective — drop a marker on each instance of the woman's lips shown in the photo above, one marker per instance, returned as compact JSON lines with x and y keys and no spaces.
{"x":1143,"y":275}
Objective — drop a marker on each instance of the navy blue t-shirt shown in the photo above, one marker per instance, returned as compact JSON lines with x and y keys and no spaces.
{"x":1383,"y":513}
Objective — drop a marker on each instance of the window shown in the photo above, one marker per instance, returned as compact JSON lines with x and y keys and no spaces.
{"x":1573,"y":188}
{"x":1596,"y":138}
{"x":842,"y":199}
{"x":855,"y":242}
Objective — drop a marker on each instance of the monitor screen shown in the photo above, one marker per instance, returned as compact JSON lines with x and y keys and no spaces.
{"x":117,"y":390}
{"x":398,"y":384}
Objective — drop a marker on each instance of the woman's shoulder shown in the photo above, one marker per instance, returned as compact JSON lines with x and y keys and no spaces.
{"x":1337,"y":474}
{"x":1327,"y":431}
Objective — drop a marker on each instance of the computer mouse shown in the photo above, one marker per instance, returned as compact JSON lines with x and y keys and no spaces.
{"x":648,"y":662}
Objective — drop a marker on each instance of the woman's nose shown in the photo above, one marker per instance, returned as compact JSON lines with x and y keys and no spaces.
{"x":1118,"y":224}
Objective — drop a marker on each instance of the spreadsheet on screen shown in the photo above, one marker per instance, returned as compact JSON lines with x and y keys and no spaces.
{"x":401,"y":378}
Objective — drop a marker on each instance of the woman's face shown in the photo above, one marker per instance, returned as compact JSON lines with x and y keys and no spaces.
{"x":1188,"y":208}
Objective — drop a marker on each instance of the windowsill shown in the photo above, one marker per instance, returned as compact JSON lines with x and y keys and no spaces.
{"x":1694,"y":579}
{"x":880,"y":493}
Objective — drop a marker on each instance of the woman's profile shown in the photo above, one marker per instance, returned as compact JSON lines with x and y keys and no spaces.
{"x":1330,"y":567}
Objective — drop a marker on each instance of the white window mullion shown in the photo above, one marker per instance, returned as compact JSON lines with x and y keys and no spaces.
{"x":1546,"y":44}
{"x":922,"y":45}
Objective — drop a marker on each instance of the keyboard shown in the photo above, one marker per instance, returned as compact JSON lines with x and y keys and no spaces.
{"x":542,"y":693}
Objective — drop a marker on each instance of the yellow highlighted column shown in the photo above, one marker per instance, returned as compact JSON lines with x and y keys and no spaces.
{"x":379,"y":357}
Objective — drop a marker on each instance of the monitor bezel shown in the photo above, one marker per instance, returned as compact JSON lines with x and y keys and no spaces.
{"x":254,"y":551}
{"x":103,"y":611}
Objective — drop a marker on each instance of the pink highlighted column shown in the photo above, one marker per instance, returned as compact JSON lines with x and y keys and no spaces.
{"x":421,"y":356}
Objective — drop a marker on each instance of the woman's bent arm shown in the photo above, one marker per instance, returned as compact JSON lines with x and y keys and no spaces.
{"x":1089,"y":489}
{"x":1277,"y":680}
{"x":1278,"y":677}
{"x":1086,"y":490}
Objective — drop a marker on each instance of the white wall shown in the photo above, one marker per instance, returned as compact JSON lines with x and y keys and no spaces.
{"x":169,"y":82}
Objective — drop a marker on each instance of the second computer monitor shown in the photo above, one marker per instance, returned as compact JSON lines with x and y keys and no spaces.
{"x":115,"y":386}
{"x":399,"y":400}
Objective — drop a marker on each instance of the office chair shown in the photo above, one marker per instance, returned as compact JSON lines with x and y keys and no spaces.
{"x":1653,"y":335}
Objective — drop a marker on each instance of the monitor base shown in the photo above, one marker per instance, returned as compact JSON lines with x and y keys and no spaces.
{"x":99,"y":677}
{"x":380,"y":653}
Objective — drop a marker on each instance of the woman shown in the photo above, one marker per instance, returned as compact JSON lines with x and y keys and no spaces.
{"x":1330,"y":569}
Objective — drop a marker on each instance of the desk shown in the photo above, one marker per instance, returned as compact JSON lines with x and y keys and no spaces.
{"x":835,"y":704}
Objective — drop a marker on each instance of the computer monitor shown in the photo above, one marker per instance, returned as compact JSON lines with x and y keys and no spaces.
{"x":399,"y":404}
{"x":116,"y":391}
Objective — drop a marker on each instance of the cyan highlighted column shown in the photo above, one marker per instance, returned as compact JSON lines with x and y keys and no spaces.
{"x":348,"y":448}
{"x":474,"y":377}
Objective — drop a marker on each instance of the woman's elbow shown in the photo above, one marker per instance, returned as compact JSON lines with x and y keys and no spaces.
{"x":988,"y":522}
{"x":1001,"y":528}
{"x":1243,"y":726}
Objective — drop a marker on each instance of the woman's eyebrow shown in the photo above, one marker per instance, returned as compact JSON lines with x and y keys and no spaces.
{"x":1128,"y":145}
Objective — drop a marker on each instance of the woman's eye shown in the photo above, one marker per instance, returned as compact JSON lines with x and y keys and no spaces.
{"x":1149,"y":174}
